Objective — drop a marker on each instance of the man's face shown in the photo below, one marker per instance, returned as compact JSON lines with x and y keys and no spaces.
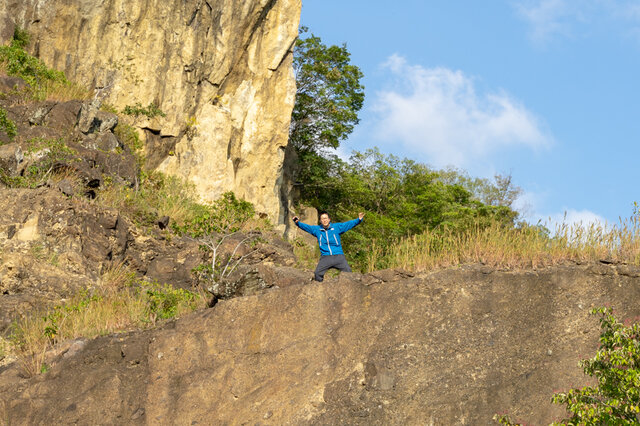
{"x":324,"y":220}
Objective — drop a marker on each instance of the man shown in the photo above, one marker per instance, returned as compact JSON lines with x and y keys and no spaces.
{"x":328,"y":235}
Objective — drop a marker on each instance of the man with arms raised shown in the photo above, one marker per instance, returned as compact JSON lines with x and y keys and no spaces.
{"x":328,"y":235}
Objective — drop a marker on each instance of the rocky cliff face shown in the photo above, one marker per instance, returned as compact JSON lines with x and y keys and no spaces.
{"x":219,"y":69}
{"x":450,"y":347}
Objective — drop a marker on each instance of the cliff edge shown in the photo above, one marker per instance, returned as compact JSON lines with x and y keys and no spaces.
{"x":448,"y":347}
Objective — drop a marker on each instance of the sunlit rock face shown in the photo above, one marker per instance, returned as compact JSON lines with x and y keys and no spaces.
{"x":219,"y":69}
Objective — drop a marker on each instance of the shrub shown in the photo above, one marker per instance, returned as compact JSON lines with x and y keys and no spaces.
{"x":163,"y":301}
{"x":216,"y":224}
{"x":44,"y":83}
{"x":615,"y":399}
{"x":150,"y":111}
{"x":7,"y":125}
{"x":21,"y":38}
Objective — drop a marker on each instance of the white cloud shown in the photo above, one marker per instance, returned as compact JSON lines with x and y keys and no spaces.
{"x":529,"y":205}
{"x":568,"y":18}
{"x":437,"y":112}
{"x":573,"y":218}
{"x":546,"y":17}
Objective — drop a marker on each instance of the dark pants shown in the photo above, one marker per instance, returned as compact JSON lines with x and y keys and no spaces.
{"x":337,"y":261}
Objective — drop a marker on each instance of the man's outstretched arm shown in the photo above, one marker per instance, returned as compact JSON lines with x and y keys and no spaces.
{"x":345,"y":226}
{"x":304,"y":226}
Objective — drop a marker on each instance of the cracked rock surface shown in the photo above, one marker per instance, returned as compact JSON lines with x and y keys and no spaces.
{"x":449,"y":347}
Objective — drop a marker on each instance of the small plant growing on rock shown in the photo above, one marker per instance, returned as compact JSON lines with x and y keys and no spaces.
{"x":150,"y":111}
{"x":219,"y":223}
{"x":44,"y":156}
{"x":7,"y":125}
{"x":615,"y":399}
{"x":191,"y":127}
{"x":164,"y":301}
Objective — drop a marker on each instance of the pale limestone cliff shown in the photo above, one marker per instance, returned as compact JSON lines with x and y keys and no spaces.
{"x":219,"y":69}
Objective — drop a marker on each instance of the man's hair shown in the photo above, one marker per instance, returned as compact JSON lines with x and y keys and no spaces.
{"x":323,"y":212}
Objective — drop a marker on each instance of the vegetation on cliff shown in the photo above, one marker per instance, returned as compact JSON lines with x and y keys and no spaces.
{"x":43,"y":82}
{"x":123,"y":298}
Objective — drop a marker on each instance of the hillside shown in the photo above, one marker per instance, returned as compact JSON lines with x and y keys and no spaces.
{"x":454,"y":346}
{"x":127,"y":299}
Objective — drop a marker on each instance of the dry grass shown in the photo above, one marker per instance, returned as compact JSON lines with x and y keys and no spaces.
{"x":306,"y":255}
{"x":503,"y":247}
{"x":118,"y":303}
{"x":64,"y":91}
{"x":157,"y":195}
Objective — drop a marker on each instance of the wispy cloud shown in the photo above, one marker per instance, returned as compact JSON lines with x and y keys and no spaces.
{"x":529,"y":205}
{"x":572,"y":217}
{"x":437,"y":112}
{"x":546,"y":17}
{"x":549,"y":19}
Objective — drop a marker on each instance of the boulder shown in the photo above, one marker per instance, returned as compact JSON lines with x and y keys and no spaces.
{"x":92,"y":120}
{"x":11,"y":156}
{"x":9,"y":83}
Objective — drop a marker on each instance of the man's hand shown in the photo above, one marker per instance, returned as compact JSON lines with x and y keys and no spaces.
{"x":360,"y":215}
{"x":295,"y":219}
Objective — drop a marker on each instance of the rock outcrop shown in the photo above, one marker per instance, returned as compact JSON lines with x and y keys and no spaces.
{"x":449,"y":347}
{"x":219,"y":69}
{"x":57,"y":234}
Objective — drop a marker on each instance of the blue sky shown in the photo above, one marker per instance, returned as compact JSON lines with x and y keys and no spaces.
{"x":546,"y":90}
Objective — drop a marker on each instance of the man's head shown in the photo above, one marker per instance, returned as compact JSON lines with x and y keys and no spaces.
{"x":325,"y":220}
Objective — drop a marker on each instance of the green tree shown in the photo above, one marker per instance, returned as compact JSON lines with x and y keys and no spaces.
{"x":499,"y":192}
{"x":328,"y":98}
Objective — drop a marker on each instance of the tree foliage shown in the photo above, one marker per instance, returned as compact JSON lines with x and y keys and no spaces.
{"x":401,"y":197}
{"x":328,"y":98}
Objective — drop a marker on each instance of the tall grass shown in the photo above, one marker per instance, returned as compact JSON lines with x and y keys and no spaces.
{"x":118,"y":303}
{"x":157,"y":195}
{"x":504,"y":247}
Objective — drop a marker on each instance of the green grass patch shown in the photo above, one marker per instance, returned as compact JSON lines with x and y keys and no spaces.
{"x":150,"y":111}
{"x":44,"y":82}
{"x":157,"y":195}
{"x":6,"y":125}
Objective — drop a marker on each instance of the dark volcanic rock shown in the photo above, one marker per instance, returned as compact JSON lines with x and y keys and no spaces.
{"x":11,"y":156}
{"x":451,"y":347}
{"x":9,"y":84}
{"x":91,"y":119}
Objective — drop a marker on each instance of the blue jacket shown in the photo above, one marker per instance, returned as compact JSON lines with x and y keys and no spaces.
{"x":329,"y":239}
